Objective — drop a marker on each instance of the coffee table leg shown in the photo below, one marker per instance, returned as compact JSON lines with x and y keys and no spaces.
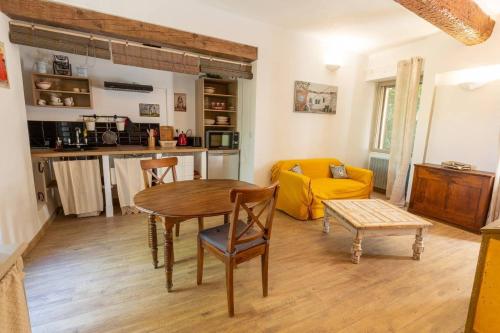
{"x":168,"y":257}
{"x":356,"y":248}
{"x":418,"y":246}
{"x":326,"y":223}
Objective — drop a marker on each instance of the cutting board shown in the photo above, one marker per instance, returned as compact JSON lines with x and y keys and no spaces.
{"x":166,"y":133}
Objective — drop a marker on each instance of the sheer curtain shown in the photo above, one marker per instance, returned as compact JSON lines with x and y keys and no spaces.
{"x":403,"y":128}
{"x":494,"y":213}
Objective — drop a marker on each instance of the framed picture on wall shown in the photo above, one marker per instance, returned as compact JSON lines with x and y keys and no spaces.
{"x":4,"y":78}
{"x":180,"y":102}
{"x":315,"y":98}
{"x":61,"y":65}
{"x":149,"y":110}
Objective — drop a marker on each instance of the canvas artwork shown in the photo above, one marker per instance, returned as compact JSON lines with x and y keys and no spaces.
{"x":180,"y":102}
{"x":149,"y":110}
{"x":4,"y":79}
{"x":315,"y":98}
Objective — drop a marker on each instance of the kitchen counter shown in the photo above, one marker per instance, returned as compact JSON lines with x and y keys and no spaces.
{"x":118,"y":150}
{"x":106,"y":152}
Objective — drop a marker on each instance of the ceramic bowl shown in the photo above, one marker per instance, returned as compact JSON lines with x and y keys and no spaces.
{"x":167,"y":144}
{"x":43,"y":85}
{"x":209,"y":121}
{"x":209,"y":90}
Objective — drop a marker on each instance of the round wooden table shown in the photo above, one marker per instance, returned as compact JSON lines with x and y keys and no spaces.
{"x":183,"y":200}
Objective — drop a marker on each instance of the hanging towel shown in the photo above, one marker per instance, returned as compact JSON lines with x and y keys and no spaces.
{"x":80,"y":188}
{"x":129,"y":181}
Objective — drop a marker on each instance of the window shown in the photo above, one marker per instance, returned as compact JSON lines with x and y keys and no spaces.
{"x":384,"y":111}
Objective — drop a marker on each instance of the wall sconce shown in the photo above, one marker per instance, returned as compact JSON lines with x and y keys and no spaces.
{"x":332,"y":68}
{"x":472,"y":85}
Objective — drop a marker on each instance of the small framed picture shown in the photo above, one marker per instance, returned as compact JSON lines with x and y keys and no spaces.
{"x":4,"y":78}
{"x":61,"y":65}
{"x":149,"y":110}
{"x":180,"y":102}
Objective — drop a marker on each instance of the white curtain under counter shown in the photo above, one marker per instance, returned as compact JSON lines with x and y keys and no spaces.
{"x":79,"y":185}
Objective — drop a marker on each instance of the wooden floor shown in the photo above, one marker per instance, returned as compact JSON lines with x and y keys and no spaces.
{"x":95,"y":275}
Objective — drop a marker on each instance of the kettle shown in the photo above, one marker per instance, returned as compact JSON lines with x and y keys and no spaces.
{"x":182,"y":139}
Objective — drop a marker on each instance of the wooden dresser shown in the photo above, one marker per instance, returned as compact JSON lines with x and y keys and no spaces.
{"x":457,"y":197}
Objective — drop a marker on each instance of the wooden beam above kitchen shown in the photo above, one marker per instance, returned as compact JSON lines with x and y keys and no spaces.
{"x":464,"y":20}
{"x":89,"y":21}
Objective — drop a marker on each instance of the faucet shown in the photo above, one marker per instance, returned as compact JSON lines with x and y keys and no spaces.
{"x":77,"y":132}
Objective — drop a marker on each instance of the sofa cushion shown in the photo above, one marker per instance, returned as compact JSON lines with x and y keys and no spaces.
{"x":297,"y":169}
{"x":339,"y":172}
{"x":328,"y":188}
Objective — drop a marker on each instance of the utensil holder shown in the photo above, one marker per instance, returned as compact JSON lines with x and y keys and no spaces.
{"x":90,"y":125}
{"x":120,"y":125}
{"x":151,"y":142}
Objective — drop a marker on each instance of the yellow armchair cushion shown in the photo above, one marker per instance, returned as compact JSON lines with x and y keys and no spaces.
{"x":301,"y":195}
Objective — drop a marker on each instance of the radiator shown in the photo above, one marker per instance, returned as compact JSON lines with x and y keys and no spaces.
{"x":380,"y":167}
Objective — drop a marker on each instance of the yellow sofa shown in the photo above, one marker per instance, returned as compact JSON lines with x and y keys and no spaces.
{"x":301,"y":195}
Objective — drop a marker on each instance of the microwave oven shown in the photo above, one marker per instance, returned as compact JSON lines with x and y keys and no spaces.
{"x":222,"y":140}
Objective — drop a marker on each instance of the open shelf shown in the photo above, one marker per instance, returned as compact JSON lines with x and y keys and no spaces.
{"x":62,"y":107}
{"x":225,"y":95}
{"x":219,"y":95}
{"x":62,"y":86}
{"x":62,"y":91}
{"x":212,"y":110}
{"x":219,"y":126}
{"x":55,"y":76}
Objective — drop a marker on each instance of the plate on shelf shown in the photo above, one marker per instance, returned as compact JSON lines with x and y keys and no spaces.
{"x":56,"y":104}
{"x":209,"y":90}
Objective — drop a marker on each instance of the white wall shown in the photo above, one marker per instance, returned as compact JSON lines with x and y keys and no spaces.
{"x":185,"y":83}
{"x":465,"y":125}
{"x":18,"y":209}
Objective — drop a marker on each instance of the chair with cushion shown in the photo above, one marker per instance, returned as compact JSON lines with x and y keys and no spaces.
{"x":151,"y":170}
{"x":240,"y":241}
{"x":304,"y":188}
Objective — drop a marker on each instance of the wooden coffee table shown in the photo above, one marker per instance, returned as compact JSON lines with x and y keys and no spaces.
{"x":373,"y":217}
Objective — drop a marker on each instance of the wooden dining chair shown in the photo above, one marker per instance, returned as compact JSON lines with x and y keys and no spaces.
{"x":151,"y":168}
{"x":240,"y":241}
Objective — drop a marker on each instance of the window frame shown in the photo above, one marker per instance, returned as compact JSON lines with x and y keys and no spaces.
{"x":378,"y":122}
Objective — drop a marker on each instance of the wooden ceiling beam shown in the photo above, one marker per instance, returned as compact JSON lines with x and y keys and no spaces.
{"x":464,"y":20}
{"x":89,"y":21}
